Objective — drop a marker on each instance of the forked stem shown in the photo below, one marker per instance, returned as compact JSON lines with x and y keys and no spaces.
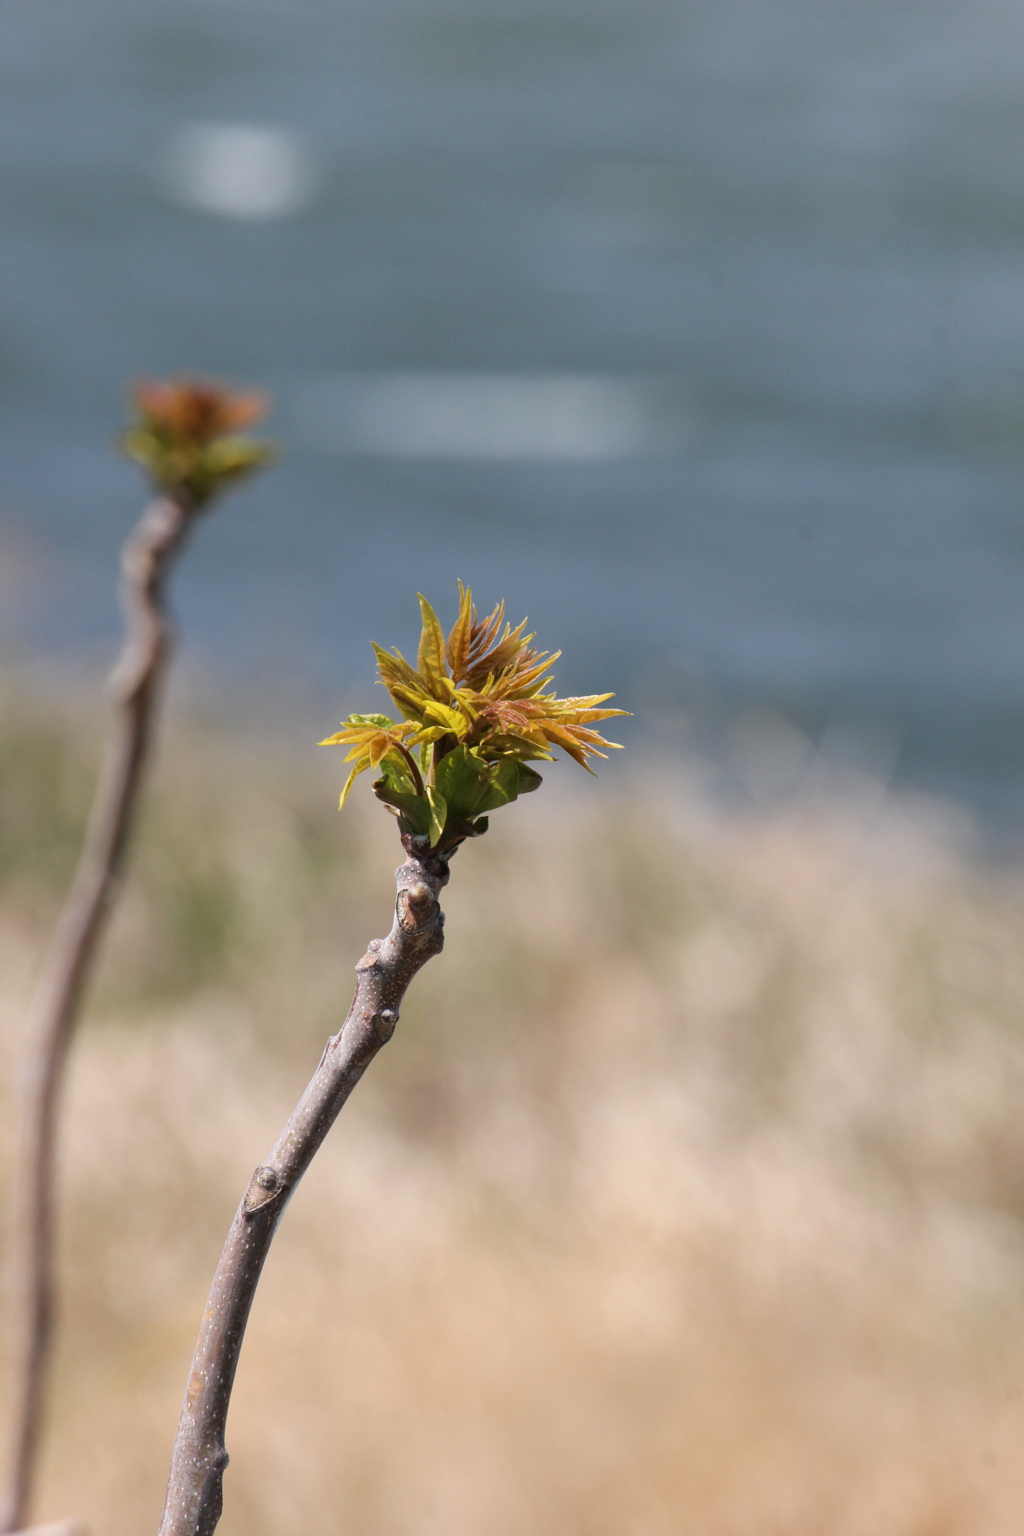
{"x":134,"y":687}
{"x":195,"y":1487}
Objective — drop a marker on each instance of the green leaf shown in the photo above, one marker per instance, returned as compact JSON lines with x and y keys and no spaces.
{"x":454,"y":723}
{"x":463,"y":779}
{"x":471,"y":785}
{"x":430,"y":658}
{"x":382,"y":720}
{"x":356,"y":771}
{"x":438,"y":814}
{"x":394,"y":772}
{"x":232,"y":457}
{"x":529,"y":779}
{"x":503,"y":786}
{"x":404,"y":684}
{"x":511,"y":780}
{"x":413,"y":809}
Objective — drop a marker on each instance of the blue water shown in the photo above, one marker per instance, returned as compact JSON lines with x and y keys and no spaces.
{"x":795,"y":231}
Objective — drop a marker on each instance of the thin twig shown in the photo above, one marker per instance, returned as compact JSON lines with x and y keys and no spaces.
{"x":134,"y":687}
{"x":195,"y":1486}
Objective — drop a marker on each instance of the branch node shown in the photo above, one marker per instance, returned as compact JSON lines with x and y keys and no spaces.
{"x":417,"y":906}
{"x":384,"y":1024}
{"x":264,"y":1186}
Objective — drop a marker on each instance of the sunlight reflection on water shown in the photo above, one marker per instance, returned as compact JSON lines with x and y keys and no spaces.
{"x":238,"y":170}
{"x":570,"y":417}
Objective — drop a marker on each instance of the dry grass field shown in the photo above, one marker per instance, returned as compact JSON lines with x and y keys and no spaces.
{"x":687,"y":1200}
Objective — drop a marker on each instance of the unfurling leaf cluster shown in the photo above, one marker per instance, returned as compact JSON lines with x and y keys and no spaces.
{"x":189,"y":439}
{"x":476,"y":710}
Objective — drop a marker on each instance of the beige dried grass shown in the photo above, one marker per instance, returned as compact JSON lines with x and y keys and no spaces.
{"x":716,"y":1229}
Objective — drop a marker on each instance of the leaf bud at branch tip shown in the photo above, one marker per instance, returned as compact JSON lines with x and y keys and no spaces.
{"x":188,"y":435}
{"x":477,"y":709}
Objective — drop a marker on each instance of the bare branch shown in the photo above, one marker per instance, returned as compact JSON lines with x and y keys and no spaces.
{"x":134,"y":687}
{"x":195,"y":1487}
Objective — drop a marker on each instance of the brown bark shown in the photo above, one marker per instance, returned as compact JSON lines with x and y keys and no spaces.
{"x":134,"y":686}
{"x":195,"y":1486}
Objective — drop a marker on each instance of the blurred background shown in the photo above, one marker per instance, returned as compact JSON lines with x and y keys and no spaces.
{"x":689,"y":1194}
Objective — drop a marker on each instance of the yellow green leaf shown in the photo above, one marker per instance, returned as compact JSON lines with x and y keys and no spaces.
{"x":348,"y":785}
{"x":429,"y":733}
{"x":413,"y":809}
{"x":379,"y":747}
{"x":438,"y":813}
{"x":430,"y":662}
{"x":477,"y":709}
{"x":457,"y":648}
{"x":452,"y":719}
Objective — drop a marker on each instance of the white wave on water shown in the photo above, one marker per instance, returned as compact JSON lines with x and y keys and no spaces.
{"x":485,"y":416}
{"x":238,"y":170}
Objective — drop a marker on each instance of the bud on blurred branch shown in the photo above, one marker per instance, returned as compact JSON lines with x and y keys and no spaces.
{"x":185,"y":438}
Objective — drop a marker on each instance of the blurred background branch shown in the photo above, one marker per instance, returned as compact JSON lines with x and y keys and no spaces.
{"x":180,"y":439}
